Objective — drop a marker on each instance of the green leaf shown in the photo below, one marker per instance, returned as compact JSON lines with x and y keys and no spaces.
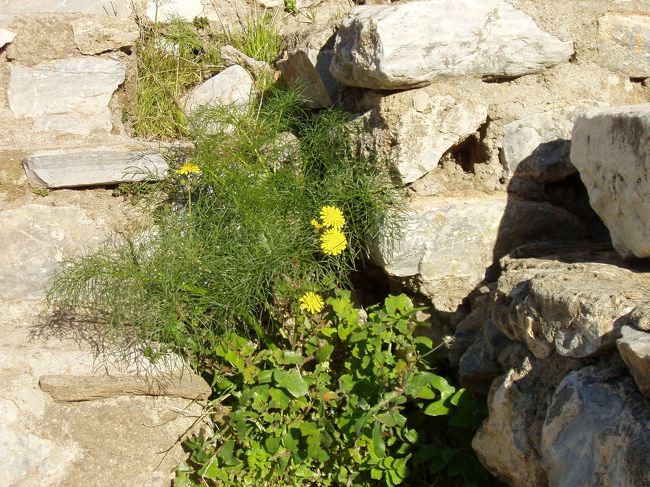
{"x":437,"y":408}
{"x":394,"y":303}
{"x":293,"y":358}
{"x":422,"y":340}
{"x":291,"y":440}
{"x":226,"y":453}
{"x":235,"y":359}
{"x":265,"y":377}
{"x":378,"y":444}
{"x":279,"y":399}
{"x":347,"y":383}
{"x":272,"y":444}
{"x":376,"y":474}
{"x":292,"y":382}
{"x":324,"y":352}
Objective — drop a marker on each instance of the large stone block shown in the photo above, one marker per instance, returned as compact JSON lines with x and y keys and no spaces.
{"x":413,"y":129}
{"x":406,"y":45}
{"x":634,"y":347}
{"x":624,"y":43}
{"x":449,"y":242}
{"x":232,"y":86}
{"x":94,"y":35}
{"x":69,"y":95}
{"x":611,"y":150}
{"x":567,"y":304}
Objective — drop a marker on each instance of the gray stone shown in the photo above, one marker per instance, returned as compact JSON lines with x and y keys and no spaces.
{"x":94,"y":35}
{"x":6,"y":36}
{"x":69,"y":95}
{"x":596,"y":431}
{"x":624,"y":43}
{"x":231,"y":87}
{"x":406,"y":45}
{"x":113,"y":8}
{"x":449,"y":242}
{"x":522,"y":137}
{"x":508,"y":441}
{"x":72,"y":388}
{"x":259,"y":69}
{"x":306,"y":66}
{"x":572,"y":306}
{"x":610,"y":149}
{"x":94,"y":168}
{"x":634,"y":347}
{"x":413,"y":129}
{"x":162,"y":11}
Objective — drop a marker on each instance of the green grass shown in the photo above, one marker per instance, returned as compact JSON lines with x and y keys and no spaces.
{"x":246,"y":250}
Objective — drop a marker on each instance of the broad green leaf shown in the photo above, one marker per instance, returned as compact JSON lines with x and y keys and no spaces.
{"x":437,"y":408}
{"x":272,"y":444}
{"x":375,"y":474}
{"x":347,"y":382}
{"x":378,"y":444}
{"x":279,"y":399}
{"x":422,"y":340}
{"x":394,"y":303}
{"x":324,"y":352}
{"x":291,"y":440}
{"x":226,"y":453}
{"x":291,"y":381}
{"x":265,"y":377}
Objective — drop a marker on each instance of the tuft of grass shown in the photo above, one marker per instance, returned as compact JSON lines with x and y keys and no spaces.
{"x":258,"y":37}
{"x":236,"y":248}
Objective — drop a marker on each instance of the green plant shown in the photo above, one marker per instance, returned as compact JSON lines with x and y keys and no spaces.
{"x":245,"y":249}
{"x":258,"y":37}
{"x":291,"y":6}
{"x":332,"y":407}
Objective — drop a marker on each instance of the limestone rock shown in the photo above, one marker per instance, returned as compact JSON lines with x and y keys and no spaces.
{"x":634,"y":347}
{"x":71,"y":388}
{"x":596,"y":430}
{"x":69,"y":95}
{"x":407,"y":45}
{"x":185,"y":9}
{"x":6,"y":36}
{"x":40,"y":38}
{"x":307,"y":66}
{"x":94,"y":168}
{"x":413,"y":129}
{"x":449,"y":242}
{"x":231,"y":56}
{"x":113,"y":8}
{"x":232,"y":86}
{"x":567,"y":304}
{"x":508,"y":441}
{"x":610,"y":150}
{"x":624,"y":43}
{"x":94,"y":35}
{"x":522,"y":137}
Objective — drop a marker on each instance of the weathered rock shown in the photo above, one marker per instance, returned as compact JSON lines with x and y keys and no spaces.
{"x":413,"y":129}
{"x":573,"y":305}
{"x":595,"y":431}
{"x":522,"y":137}
{"x":68,"y":95}
{"x":40,"y":38}
{"x":508,"y":441}
{"x":232,"y":86}
{"x":6,"y":36}
{"x":72,"y":388}
{"x":610,"y":150}
{"x":231,"y":57}
{"x":634,"y":347}
{"x":307,"y":66}
{"x":624,"y":43}
{"x":184,"y":9}
{"x":409,"y":44}
{"x":448,"y":243}
{"x":94,"y":35}
{"x":94,"y":168}
{"x":113,"y":8}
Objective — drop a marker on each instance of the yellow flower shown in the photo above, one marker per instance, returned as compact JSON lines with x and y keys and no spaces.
{"x":332,"y":217}
{"x":316,"y":224}
{"x":311,"y":302}
{"x":333,"y":242}
{"x":188,"y":168}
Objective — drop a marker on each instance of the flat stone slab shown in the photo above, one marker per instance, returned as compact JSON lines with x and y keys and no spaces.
{"x":94,"y":35}
{"x":79,"y":169}
{"x":73,"y":388}
{"x":67,"y":95}
{"x":610,"y":147}
{"x":113,"y":8}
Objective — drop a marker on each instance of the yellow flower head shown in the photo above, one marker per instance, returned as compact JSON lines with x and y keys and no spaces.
{"x":316,"y":224}
{"x":311,"y":302}
{"x":333,"y":242}
{"x":332,"y":217}
{"x":188,"y":168}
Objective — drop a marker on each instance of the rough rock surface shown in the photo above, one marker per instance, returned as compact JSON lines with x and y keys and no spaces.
{"x":232,"y":86}
{"x":94,"y":168}
{"x":508,"y":441}
{"x":409,"y":44}
{"x":449,"y":242}
{"x":573,"y":305}
{"x":94,"y":35}
{"x":231,"y":56}
{"x":610,"y":150}
{"x":595,"y":431}
{"x":68,"y":95}
{"x":634,"y":347}
{"x":414,"y":128}
{"x":113,"y":8}
{"x":306,"y":65}
{"x":624,"y":43}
